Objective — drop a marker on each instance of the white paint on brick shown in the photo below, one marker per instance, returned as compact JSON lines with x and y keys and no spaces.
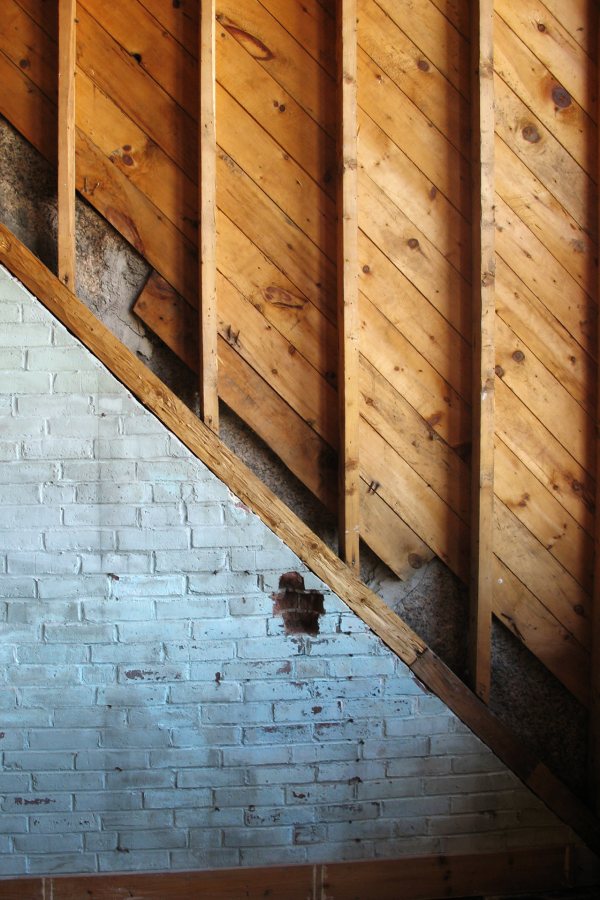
{"x":152,"y":701}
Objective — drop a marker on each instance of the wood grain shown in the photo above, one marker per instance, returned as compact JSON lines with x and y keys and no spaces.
{"x":66,"y":141}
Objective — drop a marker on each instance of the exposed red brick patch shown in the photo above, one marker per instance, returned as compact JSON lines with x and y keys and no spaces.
{"x":299,"y":608}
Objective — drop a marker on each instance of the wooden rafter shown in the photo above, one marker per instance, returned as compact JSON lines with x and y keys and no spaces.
{"x":347,"y":280}
{"x":207,"y":233}
{"x":483,"y":296}
{"x":66,"y":141}
{"x":594,"y":729}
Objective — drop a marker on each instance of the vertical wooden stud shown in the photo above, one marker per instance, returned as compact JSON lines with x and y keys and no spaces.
{"x":347,"y":286}
{"x":66,"y":141}
{"x":483,"y":282}
{"x":207,"y":226}
{"x":594,"y":729}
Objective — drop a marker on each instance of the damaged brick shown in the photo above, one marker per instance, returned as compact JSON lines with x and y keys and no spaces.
{"x":299,"y":608}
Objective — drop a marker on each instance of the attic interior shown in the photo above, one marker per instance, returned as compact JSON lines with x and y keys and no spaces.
{"x":353,"y":254}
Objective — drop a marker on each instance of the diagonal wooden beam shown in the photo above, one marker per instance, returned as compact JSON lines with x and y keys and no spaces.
{"x":347,"y":287}
{"x":66,"y":140}
{"x":207,"y":226}
{"x":483,"y":286}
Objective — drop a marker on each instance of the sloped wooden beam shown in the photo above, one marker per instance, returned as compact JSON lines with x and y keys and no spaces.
{"x":483,"y":285}
{"x":347,"y":280}
{"x":66,"y":141}
{"x":206,"y":446}
{"x":207,"y":226}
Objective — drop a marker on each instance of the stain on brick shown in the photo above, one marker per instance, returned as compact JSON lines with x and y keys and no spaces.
{"x":299,"y":608}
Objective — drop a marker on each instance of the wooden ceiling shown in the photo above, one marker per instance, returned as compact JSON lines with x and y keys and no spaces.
{"x":137,"y":163}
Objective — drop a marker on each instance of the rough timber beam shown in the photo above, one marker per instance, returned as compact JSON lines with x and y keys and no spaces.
{"x":483,"y":286}
{"x":66,"y":141}
{"x":347,"y":280}
{"x":594,"y":729}
{"x":207,"y":228}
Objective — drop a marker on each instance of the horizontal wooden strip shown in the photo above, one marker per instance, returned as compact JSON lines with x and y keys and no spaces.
{"x":421,"y":878}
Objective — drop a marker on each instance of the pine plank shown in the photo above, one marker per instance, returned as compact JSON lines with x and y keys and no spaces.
{"x":535,"y":626}
{"x":539,"y":91}
{"x":542,"y":574}
{"x":542,"y":514}
{"x":543,"y":395}
{"x":66,"y":141}
{"x":411,"y":131}
{"x":526,"y":196}
{"x":406,"y":186}
{"x":424,"y":325}
{"x":579,"y":19}
{"x":540,"y":151}
{"x":543,"y":333}
{"x":280,"y":54}
{"x":347,"y":288}
{"x":483,"y":276}
{"x":544,"y":456}
{"x":544,"y":275}
{"x":413,"y":438}
{"x":547,"y":38}
{"x":593,"y":764}
{"x":207,"y":205}
{"x":439,"y":41}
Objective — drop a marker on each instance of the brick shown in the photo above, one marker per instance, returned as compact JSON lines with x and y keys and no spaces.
{"x":205,"y":858}
{"x":192,"y":607}
{"x":206,"y":693}
{"x":162,"y":516}
{"x":205,"y":514}
{"x":200,"y":560}
{"x":59,"y":448}
{"x":326,"y":752}
{"x":63,"y":823}
{"x":265,"y":856}
{"x":261,"y":837}
{"x":177,"y":799}
{"x":68,"y":781}
{"x":233,"y":627}
{"x":139,"y":860}
{"x":117,"y":610}
{"x":212,"y":584}
{"x":28,"y":517}
{"x":9,"y":451}
{"x":205,"y":837}
{"x":62,"y":863}
{"x":473,"y":784}
{"x":236,"y":713}
{"x":12,"y":865}
{"x":271,"y":774}
{"x":17,"y":586}
{"x":160,"y":839}
{"x":146,"y":818}
{"x":390,"y":787}
{"x":113,"y":492}
{"x":144,"y":632}
{"x":86,"y":426}
{"x":21,"y":472}
{"x":169,"y":470}
{"x":43,"y":563}
{"x":106,"y":515}
{"x":126,"y":653}
{"x":357,"y":687}
{"x":204,"y":650}
{"x":50,"y":695}
{"x":36,"y":675}
{"x":25,"y":334}
{"x":392,"y":748}
{"x":131,"y":780}
{"x":116,"y":563}
{"x":14,"y":781}
{"x":419,"y":765}
{"x":81,"y":633}
{"x":100,"y":840}
{"x":215,"y":817}
{"x":53,"y":404}
{"x":103,"y":759}
{"x":63,"y":739}
{"x":89,"y":717}
{"x":173,"y":758}
{"x":411,"y":807}
{"x":172,"y":717}
{"x":30,"y":760}
{"x":205,"y":778}
{"x":20,"y":428}
{"x":277,"y":734}
{"x":345,"y":667}
{"x":48,"y":843}
{"x":157,"y":674}
{"x":277,"y":690}
{"x":272,"y":648}
{"x":96,"y":470}
{"x":91,"y":382}
{"x":83,"y":539}
{"x":134,"y":695}
{"x":149,"y":586}
{"x":248,"y":796}
{"x":417,"y":725}
{"x":155,"y":539}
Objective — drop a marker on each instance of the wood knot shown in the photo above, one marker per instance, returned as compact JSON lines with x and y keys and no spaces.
{"x":531,"y":134}
{"x":561,"y":96}
{"x":518,"y":356}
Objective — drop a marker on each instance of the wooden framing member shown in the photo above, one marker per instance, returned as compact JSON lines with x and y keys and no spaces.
{"x":594,"y":729}
{"x":483,"y":286}
{"x":347,"y":287}
{"x":207,"y":226}
{"x":66,"y":141}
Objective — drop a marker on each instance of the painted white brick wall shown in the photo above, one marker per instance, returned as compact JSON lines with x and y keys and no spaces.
{"x":153,"y":714}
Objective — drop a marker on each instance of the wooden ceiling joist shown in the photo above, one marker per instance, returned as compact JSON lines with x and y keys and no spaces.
{"x":207,"y":223}
{"x":67,"y":27}
{"x":347,"y":287}
{"x":484,"y":359}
